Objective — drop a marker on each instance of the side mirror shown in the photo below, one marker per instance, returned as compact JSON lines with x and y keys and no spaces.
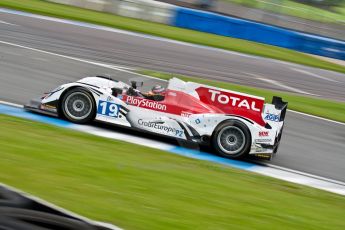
{"x":136,"y":84}
{"x":116,"y":91}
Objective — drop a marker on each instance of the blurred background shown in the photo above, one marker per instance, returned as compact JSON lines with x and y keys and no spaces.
{"x":310,"y":26}
{"x":324,"y":17}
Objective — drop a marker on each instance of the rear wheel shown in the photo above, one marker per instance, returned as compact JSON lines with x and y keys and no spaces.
{"x":232,"y":139}
{"x":78,"y":106}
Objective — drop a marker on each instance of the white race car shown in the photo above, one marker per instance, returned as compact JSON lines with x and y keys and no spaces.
{"x":233,"y":123}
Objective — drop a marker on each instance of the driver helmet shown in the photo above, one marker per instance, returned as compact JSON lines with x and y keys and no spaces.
{"x":158,"y":89}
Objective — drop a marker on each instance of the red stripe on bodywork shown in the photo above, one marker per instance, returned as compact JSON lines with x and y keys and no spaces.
{"x":211,"y":101}
{"x":233,"y":103}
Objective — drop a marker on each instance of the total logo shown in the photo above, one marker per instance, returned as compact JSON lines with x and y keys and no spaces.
{"x":263,"y":134}
{"x":232,"y":100}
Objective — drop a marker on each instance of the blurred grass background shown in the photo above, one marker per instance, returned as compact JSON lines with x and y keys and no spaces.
{"x":317,"y":12}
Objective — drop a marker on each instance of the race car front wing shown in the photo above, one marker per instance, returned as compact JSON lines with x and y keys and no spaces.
{"x":36,"y":106}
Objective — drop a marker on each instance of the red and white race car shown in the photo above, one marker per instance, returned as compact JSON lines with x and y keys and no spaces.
{"x":233,"y":123}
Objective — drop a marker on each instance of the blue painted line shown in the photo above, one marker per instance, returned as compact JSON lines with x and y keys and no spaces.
{"x":19,"y":112}
{"x":212,"y":158}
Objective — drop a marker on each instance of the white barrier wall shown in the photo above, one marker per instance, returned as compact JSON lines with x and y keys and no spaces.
{"x":148,"y":10}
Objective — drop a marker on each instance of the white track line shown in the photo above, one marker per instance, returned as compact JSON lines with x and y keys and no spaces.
{"x":11,"y":104}
{"x":314,"y":75}
{"x":273,"y":82}
{"x":281,"y":85}
{"x":320,"y":118}
{"x":301,"y":178}
{"x":7,"y":23}
{"x":118,"y":68}
{"x":303,"y":173}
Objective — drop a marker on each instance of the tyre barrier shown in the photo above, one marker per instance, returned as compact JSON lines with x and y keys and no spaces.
{"x":19,"y":212}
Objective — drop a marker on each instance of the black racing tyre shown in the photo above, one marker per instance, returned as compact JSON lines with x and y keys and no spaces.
{"x":17,"y":219}
{"x":78,"y":106}
{"x":232,"y":139}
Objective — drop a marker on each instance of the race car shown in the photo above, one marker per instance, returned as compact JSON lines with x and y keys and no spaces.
{"x":233,"y":123}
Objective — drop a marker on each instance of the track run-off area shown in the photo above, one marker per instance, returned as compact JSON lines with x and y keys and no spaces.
{"x":39,"y":54}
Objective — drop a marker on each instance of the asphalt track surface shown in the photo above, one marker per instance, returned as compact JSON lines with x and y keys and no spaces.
{"x":310,"y":145}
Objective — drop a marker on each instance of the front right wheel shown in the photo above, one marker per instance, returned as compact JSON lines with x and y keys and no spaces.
{"x":232,"y":139}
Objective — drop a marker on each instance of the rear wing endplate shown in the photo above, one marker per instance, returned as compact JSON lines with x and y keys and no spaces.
{"x":279,"y":104}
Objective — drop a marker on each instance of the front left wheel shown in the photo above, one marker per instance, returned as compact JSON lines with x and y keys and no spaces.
{"x":78,"y":106}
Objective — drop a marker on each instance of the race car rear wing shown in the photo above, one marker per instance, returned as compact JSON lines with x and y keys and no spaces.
{"x":275,"y":113}
{"x":279,"y":104}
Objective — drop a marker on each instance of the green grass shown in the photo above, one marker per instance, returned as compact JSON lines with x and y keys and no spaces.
{"x":319,"y":107}
{"x":136,"y":187}
{"x":341,"y":10}
{"x":63,"y":11}
{"x":297,"y":9}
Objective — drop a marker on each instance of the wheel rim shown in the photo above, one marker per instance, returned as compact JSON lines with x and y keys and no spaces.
{"x":78,"y":105}
{"x":231,"y":140}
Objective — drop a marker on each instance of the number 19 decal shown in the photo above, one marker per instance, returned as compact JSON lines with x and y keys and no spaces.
{"x":107,"y":108}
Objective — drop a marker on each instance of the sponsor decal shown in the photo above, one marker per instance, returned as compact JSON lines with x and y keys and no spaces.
{"x":159,"y":126}
{"x":186,"y":114}
{"x":263,"y":140}
{"x":233,"y":101}
{"x":144,"y":103}
{"x":263,"y":134}
{"x":107,"y":108}
{"x":48,"y":107}
{"x":272,"y":117}
{"x":257,"y":148}
{"x":266,"y":156}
